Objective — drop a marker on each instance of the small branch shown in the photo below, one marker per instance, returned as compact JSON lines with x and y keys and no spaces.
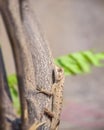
{"x":6,"y":106}
{"x":4,"y":75}
{"x":2,"y":105}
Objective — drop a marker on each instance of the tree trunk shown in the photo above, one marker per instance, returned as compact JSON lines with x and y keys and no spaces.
{"x":33,"y":60}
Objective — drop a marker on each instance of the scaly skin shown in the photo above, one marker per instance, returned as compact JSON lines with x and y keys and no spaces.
{"x":57,"y":100}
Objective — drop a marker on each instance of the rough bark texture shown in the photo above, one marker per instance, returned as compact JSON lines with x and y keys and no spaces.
{"x":34,"y":63}
{"x":42,"y":59}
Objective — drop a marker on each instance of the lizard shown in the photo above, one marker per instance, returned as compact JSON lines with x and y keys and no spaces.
{"x":57,"y":97}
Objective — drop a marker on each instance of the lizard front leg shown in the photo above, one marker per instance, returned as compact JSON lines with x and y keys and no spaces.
{"x":44,"y":91}
{"x":51,"y":93}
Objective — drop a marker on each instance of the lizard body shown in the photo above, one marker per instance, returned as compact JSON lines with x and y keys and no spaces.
{"x":57,"y":89}
{"x":57,"y":98}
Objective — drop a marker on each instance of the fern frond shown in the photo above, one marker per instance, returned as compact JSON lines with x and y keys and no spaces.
{"x":80,"y":62}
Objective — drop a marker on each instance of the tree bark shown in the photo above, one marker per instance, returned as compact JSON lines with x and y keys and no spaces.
{"x":33,"y":59}
{"x":42,"y":59}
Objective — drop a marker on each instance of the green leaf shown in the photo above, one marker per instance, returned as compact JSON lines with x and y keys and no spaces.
{"x":12,"y":81}
{"x":100,"y":56}
{"x":80,"y":61}
{"x":91,"y":57}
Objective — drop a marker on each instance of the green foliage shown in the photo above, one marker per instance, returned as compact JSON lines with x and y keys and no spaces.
{"x":12,"y":81}
{"x":80,"y":62}
{"x":75,"y":63}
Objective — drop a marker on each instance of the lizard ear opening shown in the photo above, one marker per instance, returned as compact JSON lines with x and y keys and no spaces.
{"x":53,"y":76}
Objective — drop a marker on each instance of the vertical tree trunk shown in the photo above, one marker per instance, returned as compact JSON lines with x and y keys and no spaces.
{"x":42,"y":59}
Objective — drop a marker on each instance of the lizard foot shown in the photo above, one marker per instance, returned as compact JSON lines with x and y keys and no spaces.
{"x":36,"y":125}
{"x":49,"y":113}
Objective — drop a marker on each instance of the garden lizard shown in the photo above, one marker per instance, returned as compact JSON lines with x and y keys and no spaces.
{"x":57,"y":97}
